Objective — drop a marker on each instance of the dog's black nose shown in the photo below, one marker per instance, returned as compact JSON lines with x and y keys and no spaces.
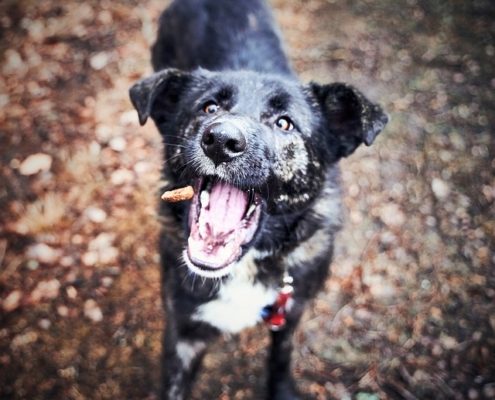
{"x":223,"y":141}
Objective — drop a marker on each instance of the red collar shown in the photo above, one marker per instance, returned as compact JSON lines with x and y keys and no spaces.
{"x":275,"y":314}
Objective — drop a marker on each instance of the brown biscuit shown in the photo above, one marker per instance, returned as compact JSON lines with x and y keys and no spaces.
{"x":180,"y":194}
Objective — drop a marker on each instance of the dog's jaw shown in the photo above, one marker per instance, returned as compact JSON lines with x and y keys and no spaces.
{"x":206,"y":273}
{"x":223,"y":220}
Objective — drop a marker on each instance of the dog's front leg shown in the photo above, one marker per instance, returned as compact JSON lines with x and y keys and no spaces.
{"x":281,"y":385}
{"x":181,"y":358}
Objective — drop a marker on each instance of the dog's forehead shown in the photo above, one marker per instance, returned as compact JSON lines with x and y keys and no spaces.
{"x":263,"y":93}
{"x":259,"y":87}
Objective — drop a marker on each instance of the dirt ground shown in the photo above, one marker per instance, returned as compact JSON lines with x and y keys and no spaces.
{"x":409,"y":312}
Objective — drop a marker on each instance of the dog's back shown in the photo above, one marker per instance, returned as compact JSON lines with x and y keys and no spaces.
{"x":219,"y":35}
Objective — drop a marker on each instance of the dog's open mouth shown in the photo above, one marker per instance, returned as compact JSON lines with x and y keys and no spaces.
{"x":222,"y":219}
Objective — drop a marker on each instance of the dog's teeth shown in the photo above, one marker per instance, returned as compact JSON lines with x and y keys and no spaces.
{"x":250,"y":210}
{"x":204,"y":198}
{"x":251,"y":195}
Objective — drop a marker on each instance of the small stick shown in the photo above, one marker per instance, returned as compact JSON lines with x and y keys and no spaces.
{"x":180,"y":194}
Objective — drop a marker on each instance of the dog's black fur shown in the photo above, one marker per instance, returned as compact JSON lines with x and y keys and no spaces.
{"x":230,"y":109}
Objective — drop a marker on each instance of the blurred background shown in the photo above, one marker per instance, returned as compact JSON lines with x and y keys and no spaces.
{"x":409,"y":311}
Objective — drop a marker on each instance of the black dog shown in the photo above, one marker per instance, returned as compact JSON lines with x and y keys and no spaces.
{"x":261,"y":151}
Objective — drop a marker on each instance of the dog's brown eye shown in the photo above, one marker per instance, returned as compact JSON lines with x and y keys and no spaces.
{"x":284,"y":123}
{"x":210,"y":107}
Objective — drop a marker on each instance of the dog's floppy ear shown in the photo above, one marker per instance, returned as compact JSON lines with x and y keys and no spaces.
{"x":350,"y":116}
{"x":144,"y":93}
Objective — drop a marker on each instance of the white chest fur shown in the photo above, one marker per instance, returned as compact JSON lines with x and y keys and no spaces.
{"x":239,"y":301}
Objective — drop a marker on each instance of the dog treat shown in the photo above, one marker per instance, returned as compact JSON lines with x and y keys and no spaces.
{"x":180,"y":194}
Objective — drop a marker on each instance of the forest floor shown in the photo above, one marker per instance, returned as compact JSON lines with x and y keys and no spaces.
{"x":409,"y":312}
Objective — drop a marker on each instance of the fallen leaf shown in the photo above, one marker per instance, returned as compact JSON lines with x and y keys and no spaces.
{"x":92,"y":311}
{"x":12,"y":301}
{"x":43,"y":253}
{"x":96,"y":214}
{"x":391,"y":215}
{"x":24,"y":339}
{"x":99,"y":60}
{"x":121,"y":176}
{"x":46,"y":290}
{"x":440,"y":188}
{"x":35,"y":163}
{"x":117,"y":143}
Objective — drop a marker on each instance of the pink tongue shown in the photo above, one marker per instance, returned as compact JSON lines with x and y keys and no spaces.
{"x":226,"y":209}
{"x":215,"y":240}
